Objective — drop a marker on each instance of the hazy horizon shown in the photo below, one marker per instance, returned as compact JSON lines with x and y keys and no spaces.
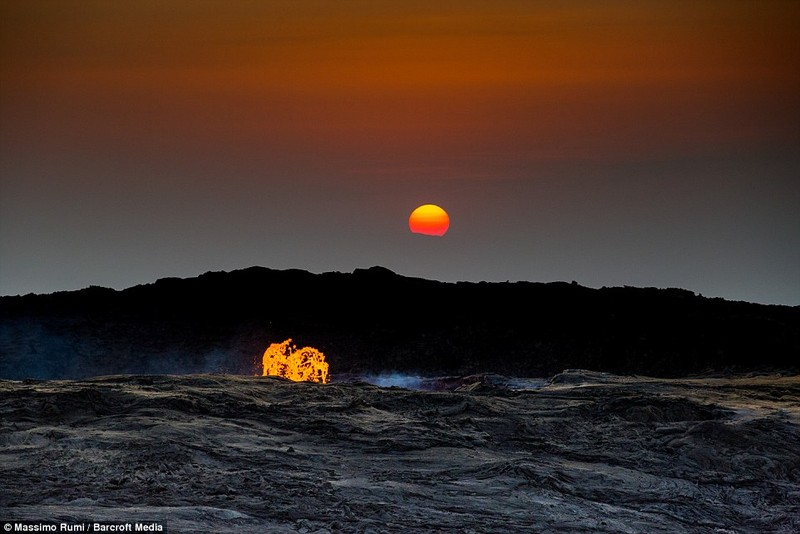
{"x":150,"y":282}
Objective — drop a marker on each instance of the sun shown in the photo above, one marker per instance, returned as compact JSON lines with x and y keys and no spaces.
{"x":429,"y":219}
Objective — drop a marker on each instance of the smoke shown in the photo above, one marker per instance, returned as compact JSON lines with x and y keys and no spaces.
{"x":30,"y":349}
{"x":451,"y":383}
{"x":397,"y":380}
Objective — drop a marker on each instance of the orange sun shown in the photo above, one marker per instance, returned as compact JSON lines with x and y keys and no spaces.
{"x":429,"y":219}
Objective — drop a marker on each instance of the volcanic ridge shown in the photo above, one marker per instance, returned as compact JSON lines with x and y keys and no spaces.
{"x":373,"y":321}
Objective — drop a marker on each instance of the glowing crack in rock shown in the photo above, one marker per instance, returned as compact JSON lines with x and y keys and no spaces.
{"x":303,"y":365}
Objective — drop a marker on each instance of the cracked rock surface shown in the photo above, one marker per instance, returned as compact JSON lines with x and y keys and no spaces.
{"x":585,"y":452}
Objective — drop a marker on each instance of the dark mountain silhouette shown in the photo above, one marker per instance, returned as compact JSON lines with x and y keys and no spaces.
{"x":375,"y":321}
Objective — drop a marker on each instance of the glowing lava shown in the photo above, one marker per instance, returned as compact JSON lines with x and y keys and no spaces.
{"x":304,"y":365}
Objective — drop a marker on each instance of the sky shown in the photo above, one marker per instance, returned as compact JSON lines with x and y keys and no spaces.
{"x":641,"y":143}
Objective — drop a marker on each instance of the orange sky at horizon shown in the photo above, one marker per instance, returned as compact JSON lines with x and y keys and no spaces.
{"x":570,"y":80}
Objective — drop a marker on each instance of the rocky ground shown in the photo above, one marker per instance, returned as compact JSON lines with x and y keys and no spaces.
{"x":586,"y":452}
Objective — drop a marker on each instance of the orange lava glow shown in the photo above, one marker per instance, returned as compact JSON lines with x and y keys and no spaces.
{"x":429,"y":219}
{"x":303,"y":365}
